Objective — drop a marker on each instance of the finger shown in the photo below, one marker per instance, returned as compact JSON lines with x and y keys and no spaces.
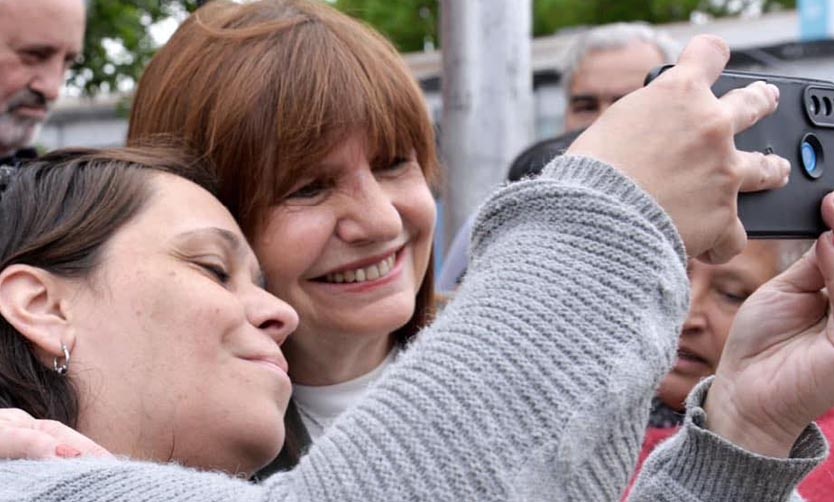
{"x":702,"y":60}
{"x":824,"y":251}
{"x":827,"y":210}
{"x":750,"y":104}
{"x":804,"y":276}
{"x":762,"y":172}
{"x":15,"y":416}
{"x":24,"y":443}
{"x":72,"y":439}
{"x":730,"y":243}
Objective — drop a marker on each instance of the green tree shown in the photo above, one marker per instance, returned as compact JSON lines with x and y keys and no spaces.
{"x":411,"y":25}
{"x":118,"y":43}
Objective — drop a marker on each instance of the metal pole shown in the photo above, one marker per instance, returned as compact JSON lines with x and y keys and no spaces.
{"x":487,"y":98}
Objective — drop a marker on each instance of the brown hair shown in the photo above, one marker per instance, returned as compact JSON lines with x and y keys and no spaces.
{"x":57,"y":214}
{"x":265,"y":90}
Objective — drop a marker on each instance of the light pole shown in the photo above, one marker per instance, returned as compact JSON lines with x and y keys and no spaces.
{"x":487,"y":98}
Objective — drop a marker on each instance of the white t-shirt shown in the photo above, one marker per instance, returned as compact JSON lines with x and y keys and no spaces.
{"x":319,"y":406}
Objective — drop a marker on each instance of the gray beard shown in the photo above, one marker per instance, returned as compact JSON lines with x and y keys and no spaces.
{"x":17,"y":132}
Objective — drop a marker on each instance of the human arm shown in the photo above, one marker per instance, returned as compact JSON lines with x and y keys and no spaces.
{"x":495,"y":392}
{"x":774,"y":378}
{"x":567,"y":321}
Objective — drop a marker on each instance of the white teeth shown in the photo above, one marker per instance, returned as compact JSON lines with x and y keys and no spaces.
{"x":369,"y":273}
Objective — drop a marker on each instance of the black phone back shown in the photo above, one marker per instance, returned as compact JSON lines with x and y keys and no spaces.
{"x":802,"y":131}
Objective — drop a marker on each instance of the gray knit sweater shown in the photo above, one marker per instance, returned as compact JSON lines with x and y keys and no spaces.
{"x":534,"y":384}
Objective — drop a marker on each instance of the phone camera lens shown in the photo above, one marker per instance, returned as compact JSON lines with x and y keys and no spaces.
{"x":811,"y":155}
{"x":815,"y":105}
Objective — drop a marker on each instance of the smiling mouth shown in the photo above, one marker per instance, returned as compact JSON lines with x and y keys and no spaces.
{"x":689,"y":356}
{"x":363,"y":274}
{"x":31,"y":112}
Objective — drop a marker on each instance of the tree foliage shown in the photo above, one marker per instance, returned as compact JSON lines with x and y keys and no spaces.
{"x":412,"y":25}
{"x":118,"y":43}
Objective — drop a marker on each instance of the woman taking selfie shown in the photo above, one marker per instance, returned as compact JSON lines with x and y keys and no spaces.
{"x":492,"y":402}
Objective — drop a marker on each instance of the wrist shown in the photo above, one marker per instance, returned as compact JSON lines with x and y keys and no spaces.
{"x":746,"y":430}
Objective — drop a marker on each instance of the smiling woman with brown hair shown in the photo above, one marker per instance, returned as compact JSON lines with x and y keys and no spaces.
{"x":325,"y":154}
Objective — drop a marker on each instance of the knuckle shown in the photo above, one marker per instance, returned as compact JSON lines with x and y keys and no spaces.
{"x":718,"y":126}
{"x":48,"y":425}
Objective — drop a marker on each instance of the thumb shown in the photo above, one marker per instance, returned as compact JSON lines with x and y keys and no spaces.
{"x":805,"y":275}
{"x":702,"y":60}
{"x":825,"y":258}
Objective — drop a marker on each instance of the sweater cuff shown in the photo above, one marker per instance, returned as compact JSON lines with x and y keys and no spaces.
{"x":719,"y":470}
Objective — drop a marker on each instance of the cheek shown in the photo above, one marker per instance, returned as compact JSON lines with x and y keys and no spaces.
{"x":291,"y":242}
{"x":419,"y":213}
{"x":722,"y":321}
{"x":418,"y":209}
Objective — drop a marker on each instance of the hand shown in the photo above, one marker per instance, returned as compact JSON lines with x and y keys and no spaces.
{"x":24,"y":437}
{"x":776,"y":373}
{"x":675,"y":139}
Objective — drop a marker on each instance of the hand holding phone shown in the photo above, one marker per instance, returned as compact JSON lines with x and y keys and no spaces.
{"x":801,"y":131}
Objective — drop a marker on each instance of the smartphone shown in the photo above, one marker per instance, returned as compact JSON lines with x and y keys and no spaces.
{"x":801,"y":131}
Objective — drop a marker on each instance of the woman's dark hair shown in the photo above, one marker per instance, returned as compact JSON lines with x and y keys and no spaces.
{"x":532,"y":160}
{"x":57,"y":213}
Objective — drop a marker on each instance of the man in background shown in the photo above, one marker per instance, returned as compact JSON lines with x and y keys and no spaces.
{"x":39,"y":41}
{"x":608,"y":62}
{"x":605,"y":64}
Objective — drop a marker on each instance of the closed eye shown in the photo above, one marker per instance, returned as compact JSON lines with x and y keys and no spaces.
{"x":217,"y":271}
{"x":734,"y":297}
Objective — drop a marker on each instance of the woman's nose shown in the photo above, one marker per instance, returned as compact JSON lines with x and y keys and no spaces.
{"x":273,"y":316}
{"x":370,"y":213}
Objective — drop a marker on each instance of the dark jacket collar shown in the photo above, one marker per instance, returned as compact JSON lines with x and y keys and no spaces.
{"x":18,"y":157}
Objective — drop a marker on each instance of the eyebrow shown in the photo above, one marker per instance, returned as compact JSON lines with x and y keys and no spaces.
{"x":50,"y":50}
{"x":584,"y":97}
{"x":231,"y":240}
{"x":595,"y":97}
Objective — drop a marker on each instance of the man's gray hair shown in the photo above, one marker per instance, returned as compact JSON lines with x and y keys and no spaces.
{"x":616,"y":36}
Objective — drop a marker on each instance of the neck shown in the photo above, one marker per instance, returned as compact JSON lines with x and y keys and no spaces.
{"x":330,"y":359}
{"x":5,"y":152}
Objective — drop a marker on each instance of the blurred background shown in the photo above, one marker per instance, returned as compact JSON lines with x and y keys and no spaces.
{"x":503,"y":63}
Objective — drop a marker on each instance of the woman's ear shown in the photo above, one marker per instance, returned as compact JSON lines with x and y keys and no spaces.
{"x":31,"y":300}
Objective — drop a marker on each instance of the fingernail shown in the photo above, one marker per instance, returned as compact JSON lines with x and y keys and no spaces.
{"x":774,"y":90}
{"x":66,"y":451}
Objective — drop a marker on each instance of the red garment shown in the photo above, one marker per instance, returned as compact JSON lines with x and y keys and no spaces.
{"x":817,"y":487}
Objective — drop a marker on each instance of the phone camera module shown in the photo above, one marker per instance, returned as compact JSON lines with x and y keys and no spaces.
{"x":811,"y":156}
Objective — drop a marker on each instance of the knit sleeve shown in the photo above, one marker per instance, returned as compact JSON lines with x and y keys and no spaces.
{"x":697,"y":465}
{"x":534,"y":384}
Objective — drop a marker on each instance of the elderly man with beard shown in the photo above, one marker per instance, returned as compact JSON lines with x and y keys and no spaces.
{"x":39,"y":41}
